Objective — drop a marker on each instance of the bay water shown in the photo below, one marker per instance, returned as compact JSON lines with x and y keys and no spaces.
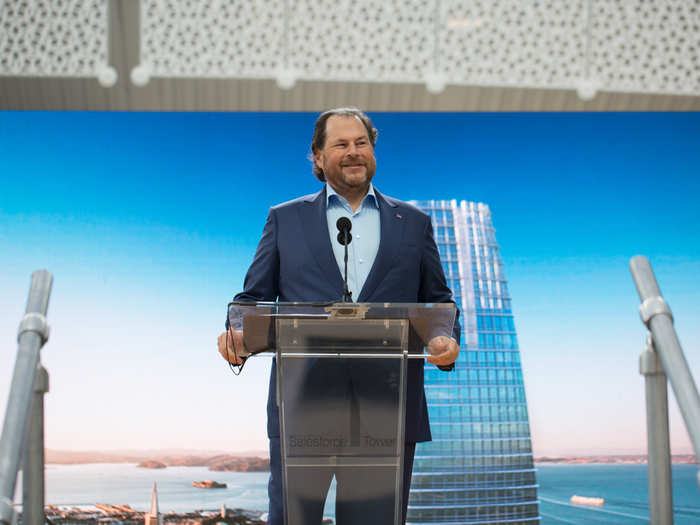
{"x":624,"y":488}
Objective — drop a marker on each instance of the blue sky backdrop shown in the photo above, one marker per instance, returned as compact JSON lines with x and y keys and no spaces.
{"x":149,"y":220}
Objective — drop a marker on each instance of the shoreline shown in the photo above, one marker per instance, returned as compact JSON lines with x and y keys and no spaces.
{"x":125,"y":515}
{"x":676,"y":459}
{"x":247,"y":463}
{"x":100,"y":514}
{"x":153,"y":460}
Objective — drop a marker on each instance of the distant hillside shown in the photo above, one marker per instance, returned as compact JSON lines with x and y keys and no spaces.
{"x":245,"y":462}
{"x":628,"y":459}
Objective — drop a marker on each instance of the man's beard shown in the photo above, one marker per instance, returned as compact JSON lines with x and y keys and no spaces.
{"x":352,"y":179}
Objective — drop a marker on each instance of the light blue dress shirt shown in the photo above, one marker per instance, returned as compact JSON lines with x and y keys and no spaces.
{"x":365,"y":236}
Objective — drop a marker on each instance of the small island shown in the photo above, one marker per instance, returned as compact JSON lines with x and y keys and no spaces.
{"x":151,"y":463}
{"x":228,"y":463}
{"x":209,"y":484}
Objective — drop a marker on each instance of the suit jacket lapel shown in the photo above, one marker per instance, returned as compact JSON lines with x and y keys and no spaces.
{"x":391,"y":227}
{"x":315,"y":225}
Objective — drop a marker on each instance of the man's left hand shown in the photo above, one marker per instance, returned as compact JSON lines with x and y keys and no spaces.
{"x":443,"y":351}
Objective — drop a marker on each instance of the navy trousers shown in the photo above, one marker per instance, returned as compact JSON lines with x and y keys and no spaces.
{"x":317,"y":487}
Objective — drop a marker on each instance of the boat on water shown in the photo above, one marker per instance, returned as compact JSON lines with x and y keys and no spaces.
{"x":584,"y":500}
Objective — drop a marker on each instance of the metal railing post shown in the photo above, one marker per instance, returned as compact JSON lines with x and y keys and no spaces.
{"x":32,"y":334}
{"x":658,"y":445}
{"x":657,"y":316}
{"x":33,"y":461}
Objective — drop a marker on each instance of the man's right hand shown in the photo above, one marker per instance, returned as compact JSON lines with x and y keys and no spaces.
{"x":231,"y":347}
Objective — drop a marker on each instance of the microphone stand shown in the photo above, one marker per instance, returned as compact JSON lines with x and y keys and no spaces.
{"x":344,"y":226}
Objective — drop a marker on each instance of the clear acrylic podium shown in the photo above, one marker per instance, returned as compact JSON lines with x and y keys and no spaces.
{"x":341,"y":389}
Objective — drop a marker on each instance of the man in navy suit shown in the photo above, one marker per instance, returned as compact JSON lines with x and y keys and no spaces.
{"x":392,"y":258}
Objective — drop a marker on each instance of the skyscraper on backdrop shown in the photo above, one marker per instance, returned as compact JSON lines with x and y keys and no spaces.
{"x":479,"y":467}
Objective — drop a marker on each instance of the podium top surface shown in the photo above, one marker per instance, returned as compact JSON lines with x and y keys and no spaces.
{"x":435,"y":311}
{"x":427,"y":320}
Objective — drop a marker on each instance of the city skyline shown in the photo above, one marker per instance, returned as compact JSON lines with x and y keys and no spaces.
{"x":149,"y":221}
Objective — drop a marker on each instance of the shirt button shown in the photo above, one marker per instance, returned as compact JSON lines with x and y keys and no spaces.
{"x":361,"y":260}
{"x":357,"y":235}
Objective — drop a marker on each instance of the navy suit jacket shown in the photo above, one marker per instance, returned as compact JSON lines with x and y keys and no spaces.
{"x":294,"y":261}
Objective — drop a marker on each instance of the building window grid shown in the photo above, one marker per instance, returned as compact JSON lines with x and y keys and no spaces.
{"x":486,"y":495}
{"x":492,"y":478}
{"x":511,"y":514}
{"x":478,"y":412}
{"x":496,"y":374}
{"x":475,"y":488}
{"x":477,"y":447}
{"x":459,"y":433}
{"x":473,"y":357}
{"x":484,"y":394}
{"x":473,"y":463}
{"x":473,"y":506}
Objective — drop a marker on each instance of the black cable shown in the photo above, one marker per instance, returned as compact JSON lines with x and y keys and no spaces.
{"x":347,"y":294}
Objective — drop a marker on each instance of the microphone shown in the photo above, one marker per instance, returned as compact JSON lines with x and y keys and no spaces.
{"x":344,"y":226}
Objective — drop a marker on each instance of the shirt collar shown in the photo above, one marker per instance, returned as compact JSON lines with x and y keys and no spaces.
{"x":333,"y":197}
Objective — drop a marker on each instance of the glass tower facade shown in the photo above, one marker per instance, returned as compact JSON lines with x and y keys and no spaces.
{"x":478,"y":469}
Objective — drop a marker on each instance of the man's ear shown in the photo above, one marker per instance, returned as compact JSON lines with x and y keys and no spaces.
{"x":318,"y":159}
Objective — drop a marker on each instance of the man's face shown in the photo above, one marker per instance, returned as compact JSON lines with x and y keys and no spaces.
{"x":347,"y":157}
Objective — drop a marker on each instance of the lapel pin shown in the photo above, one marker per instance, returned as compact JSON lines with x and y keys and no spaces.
{"x":398,"y":216}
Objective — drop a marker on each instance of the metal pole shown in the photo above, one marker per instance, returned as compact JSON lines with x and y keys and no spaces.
{"x":33,"y":333}
{"x":660,"y":493}
{"x":33,"y":462}
{"x":657,"y":316}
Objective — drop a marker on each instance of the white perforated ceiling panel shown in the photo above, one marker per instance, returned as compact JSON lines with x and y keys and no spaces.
{"x":55,"y":38}
{"x":589,"y":45}
{"x":236,"y":54}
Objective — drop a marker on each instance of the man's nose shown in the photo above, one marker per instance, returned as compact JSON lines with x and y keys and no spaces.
{"x":352,"y":149}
